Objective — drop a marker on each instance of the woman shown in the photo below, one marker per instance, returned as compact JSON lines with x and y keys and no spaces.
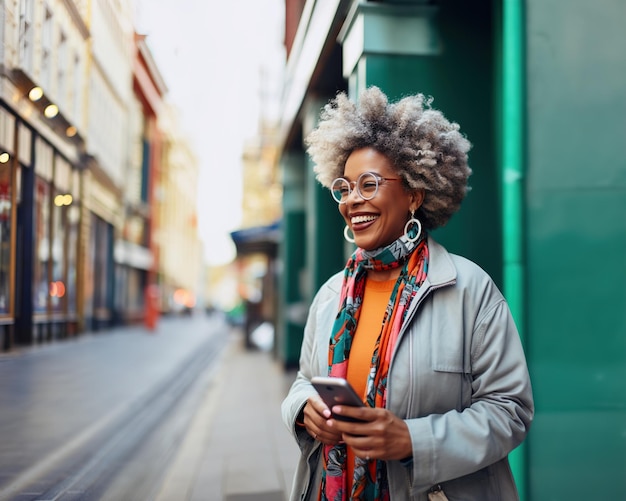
{"x":423,"y":335}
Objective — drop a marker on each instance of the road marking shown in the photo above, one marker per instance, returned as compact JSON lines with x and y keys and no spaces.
{"x":65,"y":451}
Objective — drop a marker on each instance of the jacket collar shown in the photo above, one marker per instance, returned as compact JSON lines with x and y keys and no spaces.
{"x":441,"y":269}
{"x":441,"y":273}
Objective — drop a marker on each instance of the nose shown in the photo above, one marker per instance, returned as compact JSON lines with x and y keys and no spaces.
{"x":354,"y":193}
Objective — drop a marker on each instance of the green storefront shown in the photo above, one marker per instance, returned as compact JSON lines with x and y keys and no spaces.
{"x":539,"y":89}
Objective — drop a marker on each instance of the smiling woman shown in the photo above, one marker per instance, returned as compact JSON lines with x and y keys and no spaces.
{"x":423,"y":336}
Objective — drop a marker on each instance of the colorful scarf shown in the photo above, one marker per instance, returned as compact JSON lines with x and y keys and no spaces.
{"x":370,"y":477}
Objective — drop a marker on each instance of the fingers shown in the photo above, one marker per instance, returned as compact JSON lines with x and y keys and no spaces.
{"x":354,"y":414}
{"x":325,"y":435}
{"x":316,"y":416}
{"x":319,"y":406}
{"x":379,"y":434}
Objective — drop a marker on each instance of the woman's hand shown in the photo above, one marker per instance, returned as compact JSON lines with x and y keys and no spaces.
{"x":379,"y":435}
{"x":316,"y":419}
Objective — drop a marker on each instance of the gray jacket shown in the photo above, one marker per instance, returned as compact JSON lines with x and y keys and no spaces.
{"x":458,"y":377}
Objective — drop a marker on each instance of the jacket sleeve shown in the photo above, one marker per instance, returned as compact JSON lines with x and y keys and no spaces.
{"x":455,"y":444}
{"x":301,"y":388}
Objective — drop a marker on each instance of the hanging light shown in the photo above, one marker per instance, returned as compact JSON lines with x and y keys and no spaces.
{"x":51,"y":111}
{"x":61,"y":200}
{"x":35,"y":94}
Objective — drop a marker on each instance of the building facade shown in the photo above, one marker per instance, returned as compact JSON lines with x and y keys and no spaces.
{"x":44,"y":61}
{"x":80,"y":154}
{"x":257,"y":240}
{"x":136,"y":250}
{"x":181,"y":273}
{"x":108,"y":107}
{"x":516,"y":76}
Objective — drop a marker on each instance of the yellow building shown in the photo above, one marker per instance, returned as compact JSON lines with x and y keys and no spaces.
{"x":262,"y":185}
{"x":180,"y":266}
{"x":257,"y":240}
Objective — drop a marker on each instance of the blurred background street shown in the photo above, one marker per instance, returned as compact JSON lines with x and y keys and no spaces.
{"x":162,"y":234}
{"x":134,"y":415}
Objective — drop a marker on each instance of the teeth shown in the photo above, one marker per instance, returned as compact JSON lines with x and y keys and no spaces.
{"x":362,"y":219}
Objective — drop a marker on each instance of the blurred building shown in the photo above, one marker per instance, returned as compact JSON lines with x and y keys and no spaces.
{"x":539,"y":90}
{"x":257,"y":241}
{"x":80,"y":169}
{"x":181,"y":271}
{"x":262,"y":185}
{"x":44,"y":60}
{"x":136,"y":248}
{"x":108,"y":105}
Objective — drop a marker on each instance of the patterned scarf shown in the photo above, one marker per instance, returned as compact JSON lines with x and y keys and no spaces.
{"x":370,"y":477}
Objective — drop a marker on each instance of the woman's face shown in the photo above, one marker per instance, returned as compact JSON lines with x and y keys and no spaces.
{"x":381,"y":220}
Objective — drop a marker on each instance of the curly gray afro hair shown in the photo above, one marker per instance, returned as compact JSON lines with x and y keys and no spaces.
{"x":425,"y":148}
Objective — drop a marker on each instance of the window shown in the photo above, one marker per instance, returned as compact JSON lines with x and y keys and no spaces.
{"x":73,"y":216}
{"x":58,"y":285}
{"x":62,"y":63}
{"x":78,"y":88}
{"x":57,"y":215}
{"x":5,"y":237}
{"x":46,"y":49}
{"x":41,"y":246}
{"x":62,"y":202}
{"x":26,"y":34}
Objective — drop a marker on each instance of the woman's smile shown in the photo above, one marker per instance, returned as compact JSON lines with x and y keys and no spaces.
{"x":360,"y":222}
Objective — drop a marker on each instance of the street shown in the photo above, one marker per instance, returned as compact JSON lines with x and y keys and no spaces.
{"x":102,"y":416}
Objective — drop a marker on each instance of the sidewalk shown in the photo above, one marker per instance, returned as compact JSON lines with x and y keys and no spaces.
{"x":236,"y":447}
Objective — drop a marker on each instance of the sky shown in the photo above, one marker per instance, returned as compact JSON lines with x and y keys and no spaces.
{"x":210,"y":54}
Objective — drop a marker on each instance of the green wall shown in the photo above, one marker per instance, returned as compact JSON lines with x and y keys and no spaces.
{"x":292,"y":303}
{"x":465,"y":78}
{"x":571,"y":261}
{"x":461,"y":80}
{"x":325,"y":240}
{"x":576,"y":247}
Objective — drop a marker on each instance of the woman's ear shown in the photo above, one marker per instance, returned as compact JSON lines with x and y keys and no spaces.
{"x":417,"y":199}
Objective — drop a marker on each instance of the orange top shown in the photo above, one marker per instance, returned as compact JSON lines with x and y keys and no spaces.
{"x":375,"y":299}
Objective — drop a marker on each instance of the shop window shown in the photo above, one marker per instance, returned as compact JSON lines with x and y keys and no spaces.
{"x":41,"y":246}
{"x":73,"y":216}
{"x":58,"y":283}
{"x":102,"y":238}
{"x":5,"y":237}
{"x":136,"y":285}
{"x":56,"y":243}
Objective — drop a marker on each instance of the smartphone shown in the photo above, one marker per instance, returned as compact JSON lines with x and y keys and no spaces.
{"x":336,"y":391}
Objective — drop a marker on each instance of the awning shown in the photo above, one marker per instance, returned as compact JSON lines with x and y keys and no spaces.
{"x":257,"y":239}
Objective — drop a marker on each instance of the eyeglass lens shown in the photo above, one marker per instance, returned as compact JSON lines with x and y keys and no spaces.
{"x":366,"y":187}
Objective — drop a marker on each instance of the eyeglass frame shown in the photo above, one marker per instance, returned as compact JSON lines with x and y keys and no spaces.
{"x":350,"y":184}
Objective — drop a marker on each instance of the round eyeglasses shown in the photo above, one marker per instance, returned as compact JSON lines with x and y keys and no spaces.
{"x":366,"y":186}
